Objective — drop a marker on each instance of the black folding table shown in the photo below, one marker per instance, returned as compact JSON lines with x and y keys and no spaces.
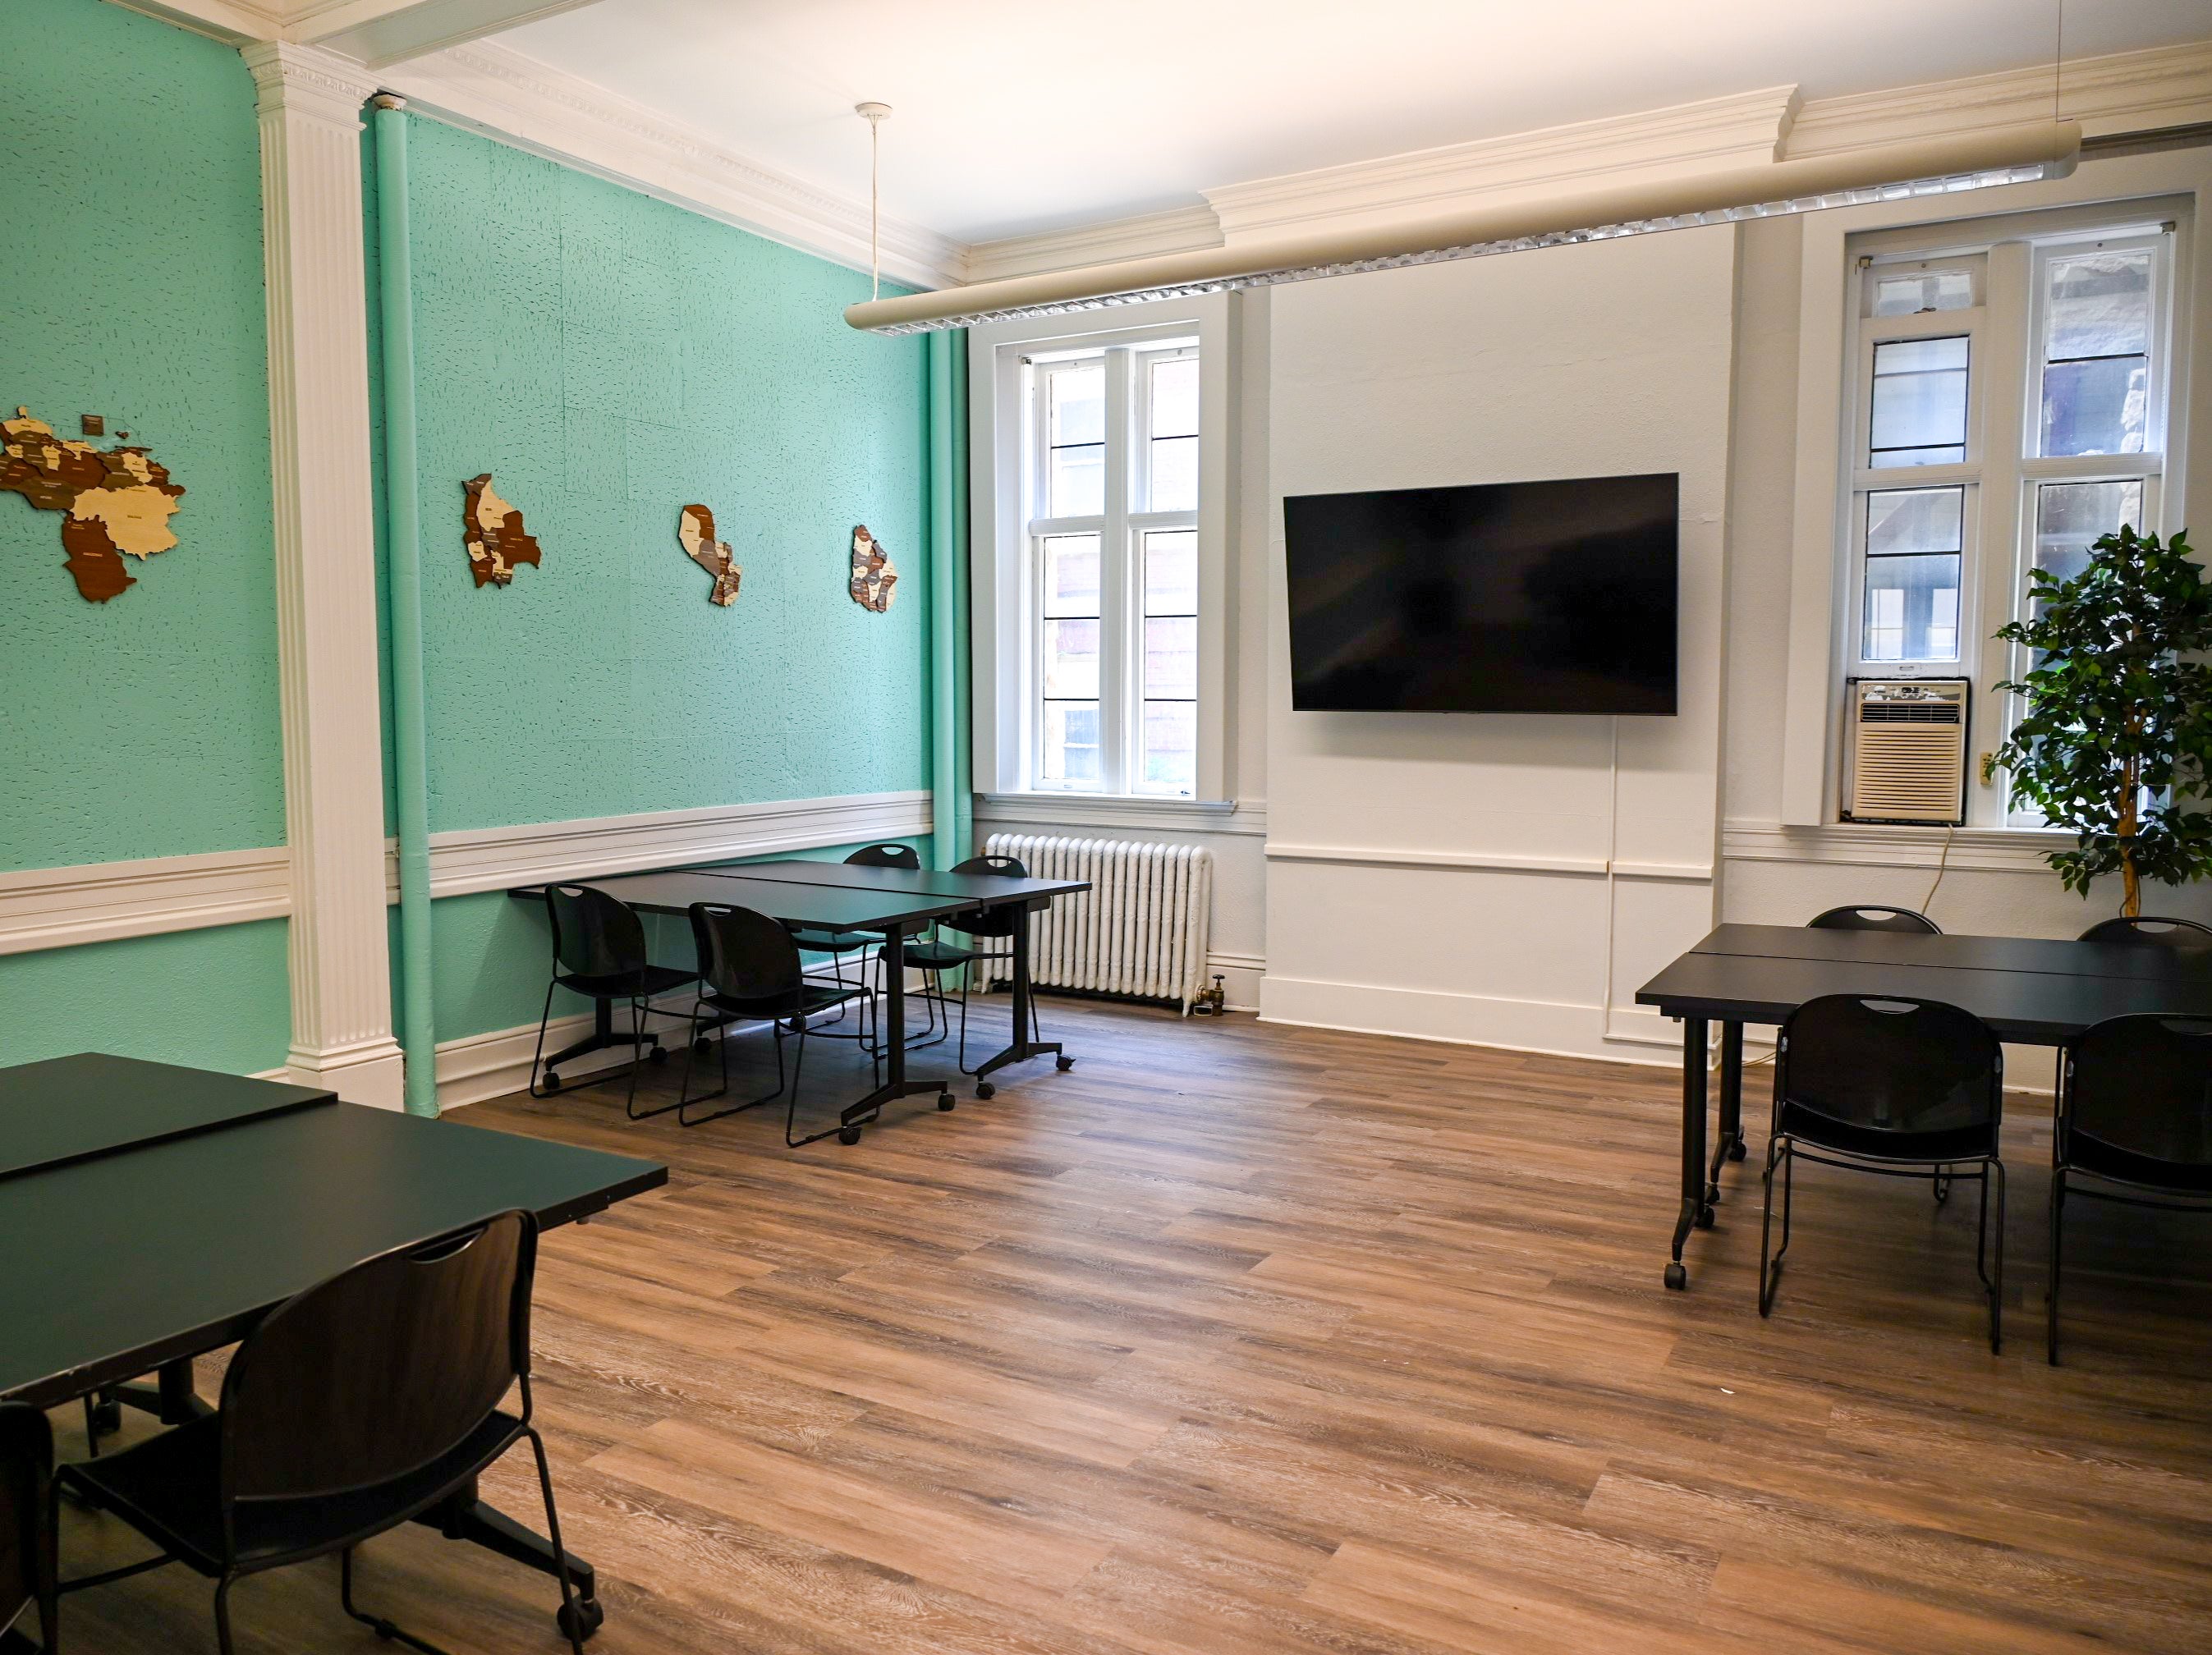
{"x":2030,"y":991}
{"x":154,"y":1214}
{"x":982,"y":891}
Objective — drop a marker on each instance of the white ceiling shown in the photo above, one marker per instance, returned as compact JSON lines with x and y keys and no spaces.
{"x":1014,"y":116}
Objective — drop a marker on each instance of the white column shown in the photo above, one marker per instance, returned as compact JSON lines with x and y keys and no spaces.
{"x":310,"y":103}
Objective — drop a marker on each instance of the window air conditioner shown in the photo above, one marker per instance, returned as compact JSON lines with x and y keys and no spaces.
{"x":1907,"y":751}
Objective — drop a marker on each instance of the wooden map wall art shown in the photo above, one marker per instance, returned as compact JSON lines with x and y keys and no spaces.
{"x":493,"y":532}
{"x":113,"y":499}
{"x":695,"y":531}
{"x":875,"y":577}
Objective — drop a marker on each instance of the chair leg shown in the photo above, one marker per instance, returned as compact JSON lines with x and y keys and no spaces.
{"x":2057,"y":1219}
{"x":376,"y":1623}
{"x":1982,"y":1234}
{"x":1769,"y":1270}
{"x":775,"y":1027}
{"x":222,"y":1637}
{"x":539,"y":1057}
{"x":1997,"y":1264}
{"x":571,"y":1617}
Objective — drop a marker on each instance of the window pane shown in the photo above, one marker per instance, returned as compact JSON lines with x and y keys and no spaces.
{"x":1172,"y":572}
{"x":1919,"y":403}
{"x":1071,"y":743}
{"x":1170,"y":746}
{"x":1070,"y":659}
{"x":2070,"y":516}
{"x":1078,"y":405}
{"x":1913,"y":521}
{"x":1171,"y":656}
{"x":2096,"y":406}
{"x":1912,"y":608}
{"x":1175,"y":474}
{"x":2097,"y":304}
{"x":1909,"y":293}
{"x":1077,"y":481}
{"x":1071,"y":574}
{"x":1174,"y":398}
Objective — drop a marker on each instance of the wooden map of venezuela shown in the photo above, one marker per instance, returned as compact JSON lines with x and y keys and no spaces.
{"x":115,"y":499}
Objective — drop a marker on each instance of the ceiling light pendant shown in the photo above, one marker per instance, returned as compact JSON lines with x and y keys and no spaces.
{"x":1930,"y":166}
{"x":874,"y":115}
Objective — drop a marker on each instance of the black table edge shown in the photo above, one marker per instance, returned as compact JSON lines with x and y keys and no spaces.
{"x":313,"y":1101}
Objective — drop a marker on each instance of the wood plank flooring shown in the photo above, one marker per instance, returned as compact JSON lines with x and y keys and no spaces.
{"x":1240,"y":1339}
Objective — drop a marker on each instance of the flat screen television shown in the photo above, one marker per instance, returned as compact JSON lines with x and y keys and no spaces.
{"x":1555,"y":597}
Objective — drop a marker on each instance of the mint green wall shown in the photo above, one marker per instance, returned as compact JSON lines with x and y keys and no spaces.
{"x":131,"y":261}
{"x":148,"y":726}
{"x":609,"y":358}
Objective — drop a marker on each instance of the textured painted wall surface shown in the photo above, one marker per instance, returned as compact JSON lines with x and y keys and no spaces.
{"x":131,"y":261}
{"x":608,"y":359}
{"x":212,"y":999}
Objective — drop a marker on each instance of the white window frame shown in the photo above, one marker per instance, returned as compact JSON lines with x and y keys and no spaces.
{"x":1007,"y":458}
{"x":2141,"y":190}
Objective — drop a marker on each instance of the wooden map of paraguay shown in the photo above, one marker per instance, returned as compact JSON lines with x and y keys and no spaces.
{"x":115,"y":499}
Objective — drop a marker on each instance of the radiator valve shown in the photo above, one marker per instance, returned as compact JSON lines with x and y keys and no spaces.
{"x":1210,"y":1002}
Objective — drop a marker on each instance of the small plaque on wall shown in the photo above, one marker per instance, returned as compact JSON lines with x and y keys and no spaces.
{"x":875,"y":577}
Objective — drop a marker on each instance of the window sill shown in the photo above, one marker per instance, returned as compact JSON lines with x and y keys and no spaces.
{"x":1125,"y":810}
{"x":1875,"y":845}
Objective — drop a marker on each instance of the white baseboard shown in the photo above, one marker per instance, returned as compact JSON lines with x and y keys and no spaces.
{"x":1637,"y":1035}
{"x":1240,"y":976}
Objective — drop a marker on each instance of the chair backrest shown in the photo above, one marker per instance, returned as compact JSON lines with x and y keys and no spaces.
{"x":994,"y":922}
{"x":886,"y":856}
{"x":1898,"y":1068}
{"x":1875,"y":917}
{"x":381,"y":1369}
{"x":2142,"y":1086}
{"x":2151,"y":930}
{"x":26,"y":1465}
{"x":595,"y":935}
{"x":742,"y":953}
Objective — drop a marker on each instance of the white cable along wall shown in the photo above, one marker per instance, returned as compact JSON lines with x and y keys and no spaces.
{"x":1139,"y":932}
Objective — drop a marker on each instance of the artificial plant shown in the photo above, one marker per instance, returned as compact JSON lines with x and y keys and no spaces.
{"x":2116,"y":738}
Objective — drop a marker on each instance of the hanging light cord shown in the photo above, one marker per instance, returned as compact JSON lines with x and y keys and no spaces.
{"x":2057,"y":58}
{"x":875,"y":210}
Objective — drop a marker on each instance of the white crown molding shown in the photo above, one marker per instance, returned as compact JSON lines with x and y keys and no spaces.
{"x":1744,"y":129}
{"x":496,"y":858}
{"x":2127,"y":91}
{"x":497,"y":90}
{"x":1180,"y":230}
{"x":1099,"y":813}
{"x":1869,"y":845}
{"x":101,"y":901}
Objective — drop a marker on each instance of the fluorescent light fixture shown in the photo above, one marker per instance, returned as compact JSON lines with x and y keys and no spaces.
{"x":1896,"y":172}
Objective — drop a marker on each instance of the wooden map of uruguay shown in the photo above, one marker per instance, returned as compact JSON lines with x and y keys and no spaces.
{"x":115,"y":499}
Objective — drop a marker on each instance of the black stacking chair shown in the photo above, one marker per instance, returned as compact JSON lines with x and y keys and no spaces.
{"x":937,"y":956}
{"x":1908,"y":1088}
{"x":750,"y":970}
{"x":27,"y":1526}
{"x":2134,"y":1111}
{"x":1873,"y":917}
{"x":599,"y":952}
{"x":352,"y":1407}
{"x":838,"y":944}
{"x":2152,"y":930}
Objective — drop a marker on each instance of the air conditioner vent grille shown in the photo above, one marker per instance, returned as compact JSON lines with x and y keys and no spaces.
{"x":1908,"y":751}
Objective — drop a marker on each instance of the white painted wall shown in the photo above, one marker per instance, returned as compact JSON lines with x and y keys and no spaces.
{"x":1445,"y":875}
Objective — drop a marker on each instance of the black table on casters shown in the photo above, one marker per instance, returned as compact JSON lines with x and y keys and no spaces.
{"x":154,"y":1214}
{"x":980,"y":891}
{"x":2030,"y":992}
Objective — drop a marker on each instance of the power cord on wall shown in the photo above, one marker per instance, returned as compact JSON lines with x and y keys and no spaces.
{"x":1612,"y":854}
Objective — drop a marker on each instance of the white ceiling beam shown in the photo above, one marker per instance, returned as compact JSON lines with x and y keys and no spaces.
{"x":379,"y":33}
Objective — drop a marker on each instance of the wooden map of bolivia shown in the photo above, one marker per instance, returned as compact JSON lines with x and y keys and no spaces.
{"x":492,"y":532}
{"x":117,"y":500}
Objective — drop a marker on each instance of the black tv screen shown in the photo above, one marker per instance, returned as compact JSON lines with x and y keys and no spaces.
{"x":1554,"y":596}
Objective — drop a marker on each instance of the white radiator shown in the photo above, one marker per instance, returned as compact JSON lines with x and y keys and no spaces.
{"x":1139,"y":932}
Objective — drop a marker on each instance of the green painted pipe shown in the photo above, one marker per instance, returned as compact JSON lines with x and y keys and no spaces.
{"x":943,"y":812}
{"x":418,"y":1035}
{"x":963,"y":797}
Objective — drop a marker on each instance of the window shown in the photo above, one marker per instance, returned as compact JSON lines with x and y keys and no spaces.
{"x":1111,"y":509}
{"x":2010,"y":406}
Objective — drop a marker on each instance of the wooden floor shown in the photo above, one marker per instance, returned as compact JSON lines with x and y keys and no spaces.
{"x":1242,"y":1338}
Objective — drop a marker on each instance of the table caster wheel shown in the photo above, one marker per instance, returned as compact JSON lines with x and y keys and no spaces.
{"x":658,"y":1054}
{"x":1705,"y":1218}
{"x":703,"y":1048}
{"x":1063,"y":1064}
{"x":1736,"y":1151}
{"x":550,"y":1084}
{"x":945,"y":1101}
{"x":848,"y":1135}
{"x":985,"y":1090}
{"x":1677,"y":1277}
{"x":587,"y":1614}
{"x":107,"y":1416}
{"x":1712,"y":1194}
